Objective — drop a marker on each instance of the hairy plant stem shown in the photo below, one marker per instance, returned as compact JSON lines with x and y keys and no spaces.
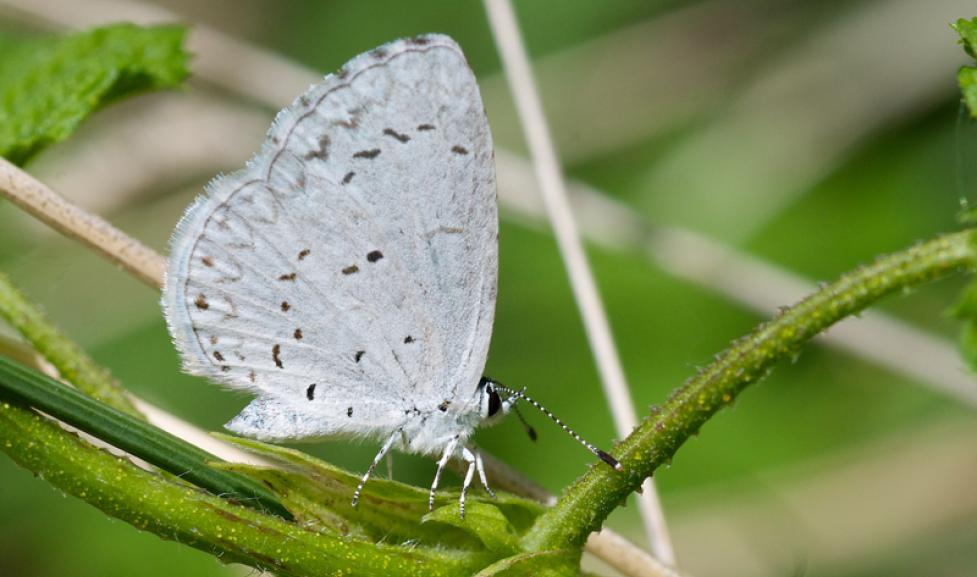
{"x":583,"y":506}
{"x":193,"y":517}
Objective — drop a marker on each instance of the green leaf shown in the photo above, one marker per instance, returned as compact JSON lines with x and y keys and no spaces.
{"x":304,"y":499}
{"x":486,"y":522}
{"x":48,"y":86}
{"x":319,"y":493}
{"x":967,"y":29}
{"x":130,"y":434}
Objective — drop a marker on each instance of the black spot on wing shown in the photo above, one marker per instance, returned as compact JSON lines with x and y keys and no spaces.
{"x":402,"y":138}
{"x":408,"y":340}
{"x":218,"y":356}
{"x":208,"y":262}
{"x":201,"y":302}
{"x":459,"y":150}
{"x":276,"y":352}
{"x":297,"y":334}
{"x":425,"y":127}
{"x":374,"y":255}
{"x":322,"y":152}
{"x":359,"y":355}
{"x":349,"y":176}
{"x":368,"y":154}
{"x":310,"y":392}
{"x":304,"y":253}
{"x":285,"y":306}
{"x":351,"y":269}
{"x":349,"y":411}
{"x":289,"y":276}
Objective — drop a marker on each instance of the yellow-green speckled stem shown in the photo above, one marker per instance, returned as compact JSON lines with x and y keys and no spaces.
{"x":584,"y":505}
{"x":192,"y":517}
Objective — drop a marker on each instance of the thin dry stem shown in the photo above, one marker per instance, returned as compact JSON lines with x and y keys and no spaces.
{"x":33,"y":196}
{"x":515,"y":62}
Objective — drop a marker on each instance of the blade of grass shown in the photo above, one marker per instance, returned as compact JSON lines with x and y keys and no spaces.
{"x":131,"y":435}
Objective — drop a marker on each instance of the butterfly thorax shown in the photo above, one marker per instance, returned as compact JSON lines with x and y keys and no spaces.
{"x":429,"y":431}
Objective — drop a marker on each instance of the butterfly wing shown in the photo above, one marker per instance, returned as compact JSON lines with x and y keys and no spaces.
{"x":356,"y":252}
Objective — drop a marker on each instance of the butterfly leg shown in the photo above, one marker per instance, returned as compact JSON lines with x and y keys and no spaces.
{"x":468,"y":480}
{"x":449,"y":450}
{"x":405,"y":443}
{"x":376,"y":460}
{"x":480,"y":467}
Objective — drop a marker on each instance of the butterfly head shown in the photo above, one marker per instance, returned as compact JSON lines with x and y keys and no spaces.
{"x":494,"y":401}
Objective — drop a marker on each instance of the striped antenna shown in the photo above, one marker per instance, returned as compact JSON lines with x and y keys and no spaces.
{"x":516,"y":395}
{"x":529,"y":428}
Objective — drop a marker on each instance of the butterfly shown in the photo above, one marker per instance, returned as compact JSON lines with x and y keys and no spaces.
{"x":347,"y":275}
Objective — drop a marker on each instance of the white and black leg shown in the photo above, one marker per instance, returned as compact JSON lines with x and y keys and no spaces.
{"x":405,"y":444}
{"x":480,"y":467}
{"x":376,"y":460}
{"x":449,"y":450}
{"x":468,"y":478}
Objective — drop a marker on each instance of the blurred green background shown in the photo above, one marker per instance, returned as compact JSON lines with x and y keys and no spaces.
{"x":811,"y":136}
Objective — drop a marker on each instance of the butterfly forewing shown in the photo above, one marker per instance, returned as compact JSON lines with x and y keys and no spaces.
{"x":357,"y":251}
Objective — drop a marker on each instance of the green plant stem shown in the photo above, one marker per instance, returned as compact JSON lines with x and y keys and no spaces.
{"x":193,"y":517}
{"x":71,"y":361}
{"x":584,"y":505}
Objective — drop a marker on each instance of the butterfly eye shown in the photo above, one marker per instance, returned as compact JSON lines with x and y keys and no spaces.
{"x":494,"y":403}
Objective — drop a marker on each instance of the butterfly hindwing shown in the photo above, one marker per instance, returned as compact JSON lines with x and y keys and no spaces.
{"x":356,"y":251}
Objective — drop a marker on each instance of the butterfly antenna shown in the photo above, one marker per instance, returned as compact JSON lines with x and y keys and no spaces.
{"x":529,"y":428}
{"x":603,"y":455}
